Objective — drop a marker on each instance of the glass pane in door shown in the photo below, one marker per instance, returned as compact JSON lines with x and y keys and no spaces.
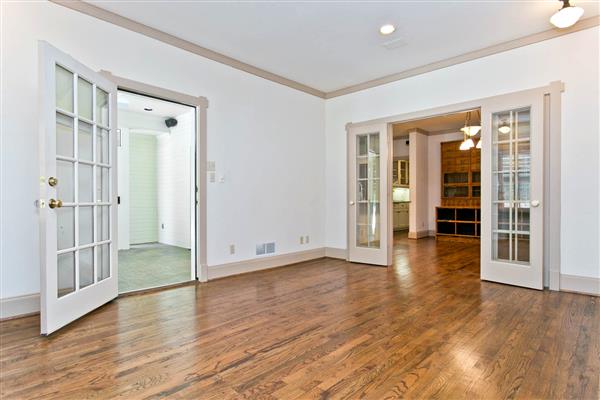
{"x":83,"y":170}
{"x":368,"y":212}
{"x":511,"y":190}
{"x":64,"y":89}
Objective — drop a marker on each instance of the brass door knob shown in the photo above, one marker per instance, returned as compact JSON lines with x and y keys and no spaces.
{"x":52,"y":181}
{"x":54,"y":203}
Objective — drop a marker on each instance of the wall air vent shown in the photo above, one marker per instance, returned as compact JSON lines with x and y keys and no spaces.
{"x":265,"y":248}
{"x":270,"y":247}
{"x":394,"y":44}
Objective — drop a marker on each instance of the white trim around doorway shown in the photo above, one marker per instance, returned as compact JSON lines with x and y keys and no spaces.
{"x":200,"y":104}
{"x":552,"y":182}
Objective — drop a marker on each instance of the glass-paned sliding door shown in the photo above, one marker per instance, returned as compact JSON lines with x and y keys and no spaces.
{"x":511,"y":163}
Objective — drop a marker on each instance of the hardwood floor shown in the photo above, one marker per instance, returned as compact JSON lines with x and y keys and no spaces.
{"x":425,"y":328}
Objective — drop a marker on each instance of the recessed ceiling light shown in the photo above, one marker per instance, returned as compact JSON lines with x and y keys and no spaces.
{"x":147,"y":109}
{"x":387,"y":29}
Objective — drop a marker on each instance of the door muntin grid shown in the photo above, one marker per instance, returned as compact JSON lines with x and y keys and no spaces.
{"x":83,"y":168}
{"x":367,"y":198}
{"x":511,"y":185}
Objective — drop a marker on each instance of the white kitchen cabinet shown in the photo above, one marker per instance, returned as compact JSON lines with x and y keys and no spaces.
{"x":401,"y":216}
{"x":400,"y":173}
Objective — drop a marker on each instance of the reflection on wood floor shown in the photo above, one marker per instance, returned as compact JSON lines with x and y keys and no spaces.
{"x":425,"y":328}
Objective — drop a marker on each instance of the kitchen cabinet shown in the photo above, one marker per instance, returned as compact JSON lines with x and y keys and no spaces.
{"x":400,"y":173}
{"x":401,"y":216}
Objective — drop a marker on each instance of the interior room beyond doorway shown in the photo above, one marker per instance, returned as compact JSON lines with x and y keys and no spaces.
{"x":436,"y":178}
{"x":156,"y":199}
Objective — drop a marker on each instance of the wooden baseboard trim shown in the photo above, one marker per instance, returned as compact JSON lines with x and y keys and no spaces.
{"x":334,"y":252}
{"x":19,"y":306}
{"x":580,"y":284}
{"x":258,"y":264}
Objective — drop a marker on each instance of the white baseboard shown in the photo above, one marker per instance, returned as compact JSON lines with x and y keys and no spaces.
{"x":19,"y":306}
{"x":419,"y":234}
{"x":580,"y":284}
{"x":334,"y":252}
{"x":257,"y":264}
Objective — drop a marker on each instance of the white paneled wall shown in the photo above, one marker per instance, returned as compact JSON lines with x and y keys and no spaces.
{"x":174,"y":182}
{"x":143,"y":208}
{"x":123,"y":189}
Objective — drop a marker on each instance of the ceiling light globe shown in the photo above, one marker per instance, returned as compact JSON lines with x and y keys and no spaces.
{"x":566,"y":17}
{"x":471,"y":130}
{"x":504,"y":129}
{"x":467,"y":144}
{"x":387,"y":29}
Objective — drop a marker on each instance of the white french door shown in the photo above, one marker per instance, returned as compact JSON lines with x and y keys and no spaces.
{"x":368,"y":190}
{"x":77,"y":209}
{"x":512,"y":189}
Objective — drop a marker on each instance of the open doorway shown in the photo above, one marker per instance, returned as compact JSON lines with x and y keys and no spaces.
{"x":436,"y":183}
{"x":156,"y":196}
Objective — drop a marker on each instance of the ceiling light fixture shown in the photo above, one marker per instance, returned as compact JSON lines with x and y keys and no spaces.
{"x":468,"y":129}
{"x":467,"y":144}
{"x":567,"y":16}
{"x":504,"y":127}
{"x":387,"y":29}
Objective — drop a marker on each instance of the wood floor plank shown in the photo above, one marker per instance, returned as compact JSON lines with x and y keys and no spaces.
{"x":427,"y":327}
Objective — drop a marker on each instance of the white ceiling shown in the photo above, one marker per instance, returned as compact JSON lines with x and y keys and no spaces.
{"x":332,"y":45}
{"x":435,"y":125}
{"x":133,"y":116}
{"x":135,"y":103}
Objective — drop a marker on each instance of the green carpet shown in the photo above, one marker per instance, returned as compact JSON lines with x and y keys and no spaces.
{"x":150,"y":265}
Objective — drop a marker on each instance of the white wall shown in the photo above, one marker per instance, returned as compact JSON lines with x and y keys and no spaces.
{"x":572,"y":58}
{"x":434,"y":171}
{"x":419,"y":183}
{"x":136,"y":122}
{"x":400,"y":148}
{"x":174,"y":182}
{"x":266,"y":139}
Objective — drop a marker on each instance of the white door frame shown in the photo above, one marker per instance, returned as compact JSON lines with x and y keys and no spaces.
{"x":552,"y":169}
{"x":200,"y":104}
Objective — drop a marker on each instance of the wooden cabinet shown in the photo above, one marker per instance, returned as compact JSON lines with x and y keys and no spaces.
{"x":400,"y":173}
{"x":401,"y":216}
{"x":463,"y":223}
{"x":461,"y":176}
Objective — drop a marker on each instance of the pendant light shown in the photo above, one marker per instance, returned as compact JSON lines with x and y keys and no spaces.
{"x":467,"y":144}
{"x":567,"y":16}
{"x":468,"y":129}
{"x":504,"y":127}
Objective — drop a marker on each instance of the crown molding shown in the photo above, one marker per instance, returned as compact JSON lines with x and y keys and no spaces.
{"x":123,"y":22}
{"x":473,"y":55}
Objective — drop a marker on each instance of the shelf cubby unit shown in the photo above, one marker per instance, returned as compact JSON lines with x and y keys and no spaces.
{"x":463,"y":223}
